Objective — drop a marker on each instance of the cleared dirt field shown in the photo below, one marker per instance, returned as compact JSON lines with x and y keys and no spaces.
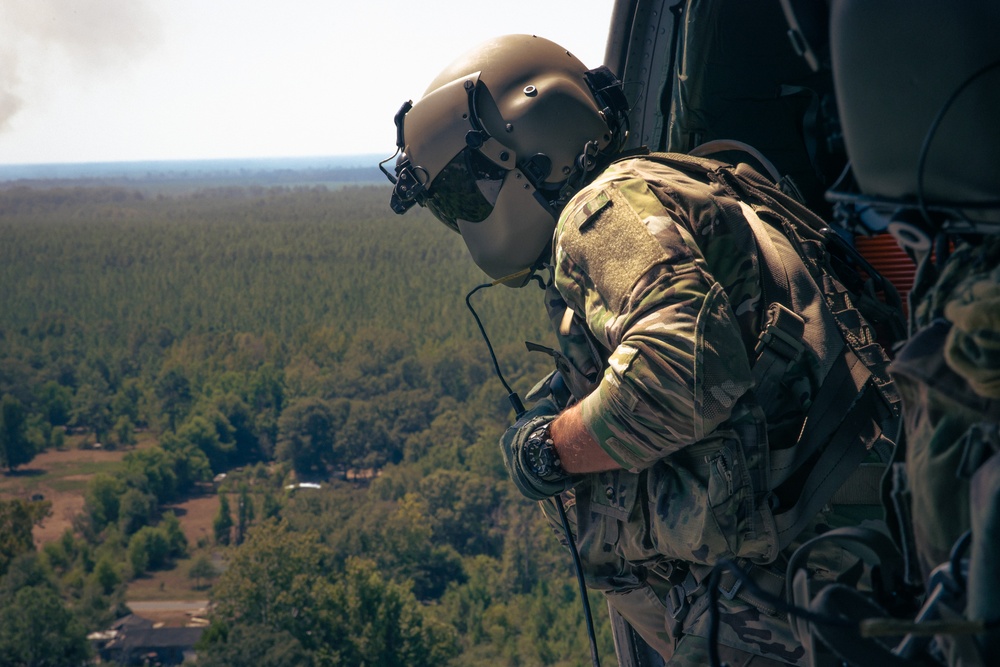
{"x":61,"y":478}
{"x":196,"y":515}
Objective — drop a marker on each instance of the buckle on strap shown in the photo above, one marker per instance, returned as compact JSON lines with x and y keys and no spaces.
{"x":678,"y":600}
{"x":729,"y":585}
{"x":764,"y":580}
{"x":677,"y":603}
{"x":782,"y":333}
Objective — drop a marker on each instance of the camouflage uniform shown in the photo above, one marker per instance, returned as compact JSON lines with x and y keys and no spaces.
{"x":949,"y":377}
{"x":658,"y":308}
{"x":946,"y":393}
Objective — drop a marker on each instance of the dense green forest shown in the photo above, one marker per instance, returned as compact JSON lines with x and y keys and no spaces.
{"x":276,"y":335}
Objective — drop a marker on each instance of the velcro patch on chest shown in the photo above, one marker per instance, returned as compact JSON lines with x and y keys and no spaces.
{"x":607,"y":239}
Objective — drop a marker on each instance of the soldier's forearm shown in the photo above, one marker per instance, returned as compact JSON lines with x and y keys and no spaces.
{"x":578,"y":452}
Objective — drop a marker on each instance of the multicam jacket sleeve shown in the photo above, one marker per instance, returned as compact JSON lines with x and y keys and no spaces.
{"x":637,"y":279}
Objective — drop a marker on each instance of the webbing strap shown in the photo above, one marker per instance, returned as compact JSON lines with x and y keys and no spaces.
{"x":772,"y":270}
{"x":731,"y":586}
{"x":720,"y":145}
{"x":863,"y":487}
{"x":770,"y":366}
{"x":744,"y":183}
{"x":841,"y":386}
{"x":836,"y":463}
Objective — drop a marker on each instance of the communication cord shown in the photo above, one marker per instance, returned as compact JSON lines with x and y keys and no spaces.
{"x":518,"y":406}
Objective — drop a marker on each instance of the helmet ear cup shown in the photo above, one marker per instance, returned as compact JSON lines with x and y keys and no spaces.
{"x":515,"y":235}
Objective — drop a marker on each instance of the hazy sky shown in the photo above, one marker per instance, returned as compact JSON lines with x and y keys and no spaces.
{"x":110,"y":80}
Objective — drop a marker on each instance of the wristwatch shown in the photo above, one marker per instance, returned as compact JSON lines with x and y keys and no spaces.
{"x":540,"y":456}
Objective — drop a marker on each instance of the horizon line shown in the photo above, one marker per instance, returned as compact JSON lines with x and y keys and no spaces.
{"x":81,"y":163}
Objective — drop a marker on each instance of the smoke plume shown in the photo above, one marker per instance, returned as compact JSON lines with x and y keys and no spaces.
{"x":95,"y":38}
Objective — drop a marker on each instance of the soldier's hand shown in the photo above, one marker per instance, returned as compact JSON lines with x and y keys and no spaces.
{"x":530,"y":461}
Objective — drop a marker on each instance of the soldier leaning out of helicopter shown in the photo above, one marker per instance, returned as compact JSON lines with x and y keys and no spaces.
{"x":698,"y":326}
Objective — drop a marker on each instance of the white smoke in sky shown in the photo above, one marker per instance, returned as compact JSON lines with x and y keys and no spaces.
{"x":10,"y":103}
{"x":94,"y":37}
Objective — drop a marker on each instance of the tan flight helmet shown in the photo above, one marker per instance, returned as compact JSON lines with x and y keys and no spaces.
{"x":499,"y":142}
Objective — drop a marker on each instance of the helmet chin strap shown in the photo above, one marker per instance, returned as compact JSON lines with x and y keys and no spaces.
{"x":527,"y":275}
{"x":513,"y":276}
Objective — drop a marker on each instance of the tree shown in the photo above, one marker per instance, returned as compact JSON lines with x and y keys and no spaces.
{"x":152,"y":470}
{"x":176,"y":540}
{"x":174,"y":391}
{"x":36,"y":629}
{"x":266,"y":396}
{"x":212,"y":434}
{"x":245,"y":440}
{"x":270,"y":508}
{"x":405,"y":547}
{"x":272,"y":578}
{"x":285,"y":581}
{"x":106,"y":575}
{"x":102,"y":500}
{"x":223,"y":524}
{"x":189,"y":464}
{"x":201,"y":569}
{"x":17,"y":520}
{"x":385,"y":624}
{"x":42,"y":435}
{"x":253,"y":646}
{"x":244,"y":513}
{"x":93,"y":410}
{"x":522,"y":561}
{"x":464,"y":508}
{"x":458,"y":368}
{"x":125,"y":404}
{"x":124,"y":432}
{"x":307,"y":430}
{"x":148,"y":549}
{"x":55,"y":402}
{"x":364,"y":440}
{"x":15,"y":446}
{"x":134,"y":511}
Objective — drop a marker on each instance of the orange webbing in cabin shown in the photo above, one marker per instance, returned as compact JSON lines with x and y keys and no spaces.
{"x":883,"y":253}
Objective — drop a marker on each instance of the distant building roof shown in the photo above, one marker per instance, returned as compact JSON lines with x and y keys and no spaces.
{"x":303,"y":485}
{"x":136,"y":641}
{"x":131,"y":621}
{"x":153,"y":638}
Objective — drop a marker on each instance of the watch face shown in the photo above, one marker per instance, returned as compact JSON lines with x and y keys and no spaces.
{"x":541,"y":455}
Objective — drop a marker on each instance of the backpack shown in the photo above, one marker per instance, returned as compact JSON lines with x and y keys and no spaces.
{"x":826,"y":460}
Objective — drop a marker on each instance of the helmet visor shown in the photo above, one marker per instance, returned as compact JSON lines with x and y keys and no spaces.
{"x":466,"y":189}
